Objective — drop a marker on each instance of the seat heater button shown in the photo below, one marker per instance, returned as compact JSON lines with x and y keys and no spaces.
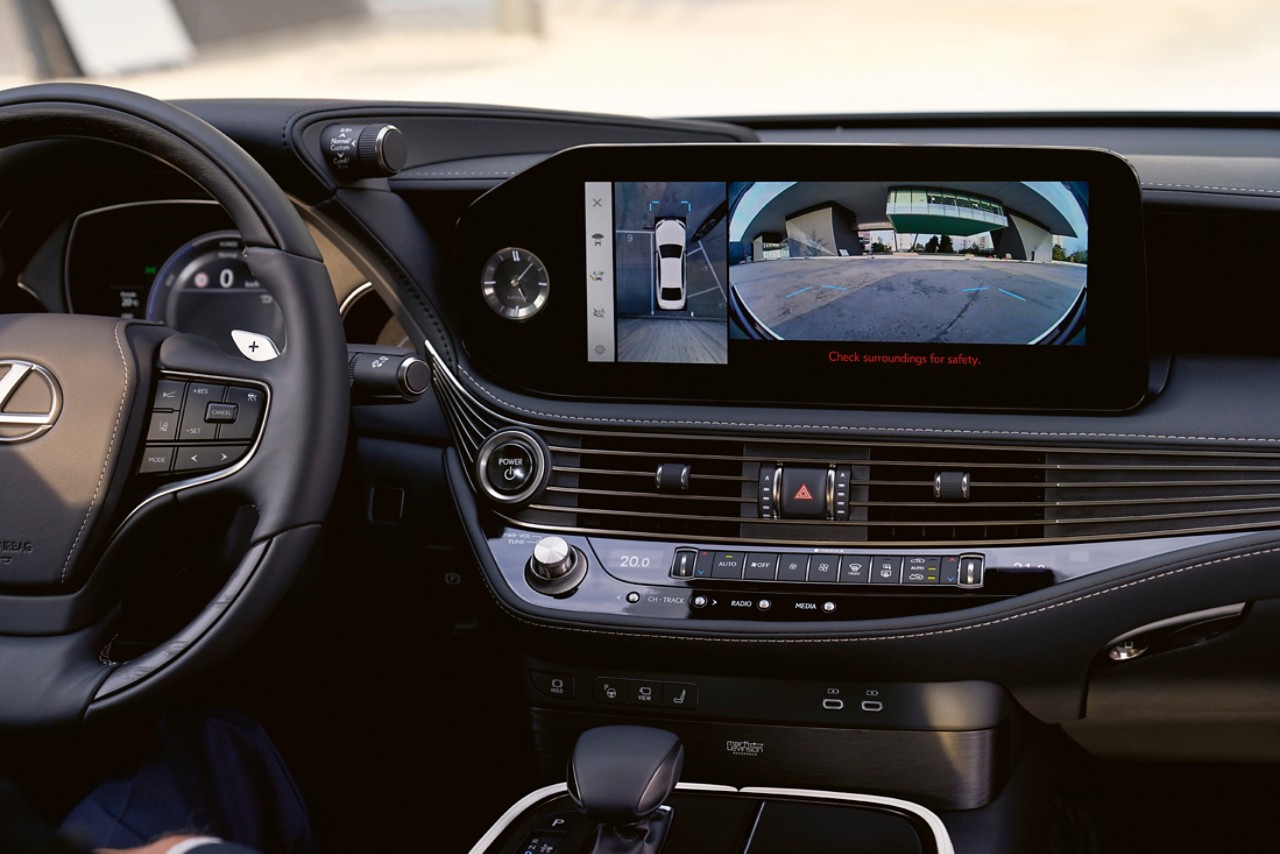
{"x":680,"y":695}
{"x":201,"y":459}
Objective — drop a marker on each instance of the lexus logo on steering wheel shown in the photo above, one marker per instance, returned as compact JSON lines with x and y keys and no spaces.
{"x":30,"y":400}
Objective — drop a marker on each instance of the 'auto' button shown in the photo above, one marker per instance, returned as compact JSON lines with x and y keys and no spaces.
{"x":510,"y":468}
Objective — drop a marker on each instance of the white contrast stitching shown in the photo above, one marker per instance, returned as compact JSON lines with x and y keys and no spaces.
{"x":858,"y":428}
{"x":1208,"y":187}
{"x":432,"y":173}
{"x":102,"y":475}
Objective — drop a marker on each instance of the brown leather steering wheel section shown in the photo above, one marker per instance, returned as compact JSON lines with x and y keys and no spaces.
{"x":74,"y":398}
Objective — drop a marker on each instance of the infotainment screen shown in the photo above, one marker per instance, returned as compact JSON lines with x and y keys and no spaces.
{"x":941,"y":276}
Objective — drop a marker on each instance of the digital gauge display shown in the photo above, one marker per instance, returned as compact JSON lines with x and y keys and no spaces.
{"x":206,"y":288}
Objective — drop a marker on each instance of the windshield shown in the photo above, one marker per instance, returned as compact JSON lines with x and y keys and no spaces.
{"x":668,"y":57}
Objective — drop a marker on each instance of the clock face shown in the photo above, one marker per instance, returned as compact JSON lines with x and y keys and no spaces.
{"x":515,"y":283}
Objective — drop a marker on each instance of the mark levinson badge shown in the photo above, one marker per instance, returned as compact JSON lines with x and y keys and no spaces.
{"x":30,"y":400}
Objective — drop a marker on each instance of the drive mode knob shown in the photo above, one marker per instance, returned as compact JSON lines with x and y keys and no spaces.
{"x":511,"y":466}
{"x":556,"y":567}
{"x":363,"y":151}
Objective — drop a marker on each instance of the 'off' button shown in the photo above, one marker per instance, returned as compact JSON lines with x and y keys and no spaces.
{"x":510,"y":468}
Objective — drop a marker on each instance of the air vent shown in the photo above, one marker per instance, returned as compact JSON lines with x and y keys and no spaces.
{"x":902,"y":493}
{"x":1104,"y":496}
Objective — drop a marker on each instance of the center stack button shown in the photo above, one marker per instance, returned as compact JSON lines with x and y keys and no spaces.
{"x":803,"y":492}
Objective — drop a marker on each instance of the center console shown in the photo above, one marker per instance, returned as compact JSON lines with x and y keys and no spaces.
{"x":838,"y":462}
{"x":622,"y":798}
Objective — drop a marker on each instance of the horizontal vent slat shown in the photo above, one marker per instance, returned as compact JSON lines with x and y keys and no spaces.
{"x":603,"y":482}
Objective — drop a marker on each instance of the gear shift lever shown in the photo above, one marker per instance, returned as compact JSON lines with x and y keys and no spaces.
{"x":620,"y":776}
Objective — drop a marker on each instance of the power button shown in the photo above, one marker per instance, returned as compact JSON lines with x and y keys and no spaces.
{"x":511,"y":466}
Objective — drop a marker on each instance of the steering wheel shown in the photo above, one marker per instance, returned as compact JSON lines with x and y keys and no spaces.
{"x":82,"y":403}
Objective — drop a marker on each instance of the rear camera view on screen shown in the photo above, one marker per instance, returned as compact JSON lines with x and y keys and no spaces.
{"x":670,"y":272}
{"x":965,"y":262}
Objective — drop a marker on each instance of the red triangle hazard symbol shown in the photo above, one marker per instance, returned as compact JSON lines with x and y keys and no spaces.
{"x":803,"y":493}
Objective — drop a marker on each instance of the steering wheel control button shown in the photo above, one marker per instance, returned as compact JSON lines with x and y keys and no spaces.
{"x":163,"y":427}
{"x":220,"y":413}
{"x":198,"y":394}
{"x":886,"y":570}
{"x":169,"y":395}
{"x":156,"y":460}
{"x":557,"y":686}
{"x":248,"y":403}
{"x":204,"y":458}
{"x":760,"y":566}
{"x":510,"y":468}
{"x":803,"y":492}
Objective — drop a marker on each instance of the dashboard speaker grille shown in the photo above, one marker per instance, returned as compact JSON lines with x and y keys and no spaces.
{"x":606,"y":482}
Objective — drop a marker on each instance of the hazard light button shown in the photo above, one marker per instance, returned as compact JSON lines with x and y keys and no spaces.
{"x":803,"y":493}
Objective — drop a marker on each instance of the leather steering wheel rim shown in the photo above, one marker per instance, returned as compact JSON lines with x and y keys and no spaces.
{"x":52,"y":670}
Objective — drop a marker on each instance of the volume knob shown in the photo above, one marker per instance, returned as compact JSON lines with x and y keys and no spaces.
{"x":556,"y":567}
{"x":553,"y":558}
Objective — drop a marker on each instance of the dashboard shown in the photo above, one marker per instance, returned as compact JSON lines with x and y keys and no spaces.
{"x":728,"y":439}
